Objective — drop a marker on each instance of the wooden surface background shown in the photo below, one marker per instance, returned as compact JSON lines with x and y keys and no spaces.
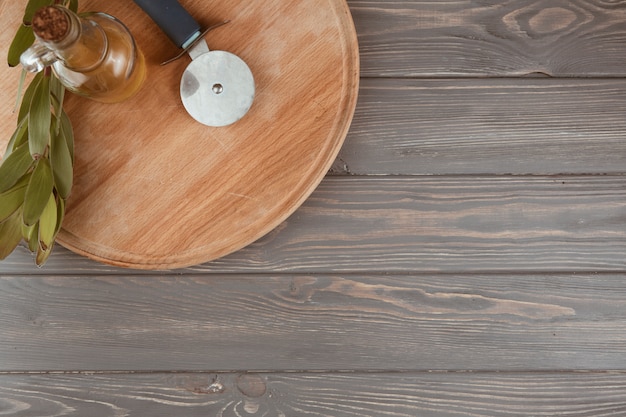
{"x":465,"y":256}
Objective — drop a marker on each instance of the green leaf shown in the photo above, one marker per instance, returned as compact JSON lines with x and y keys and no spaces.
{"x":11,"y":200}
{"x":30,"y":235}
{"x":23,"y":39}
{"x":60,"y":215}
{"x":48,"y":223}
{"x":32,"y":7}
{"x":10,"y":234}
{"x":57,"y":90}
{"x":17,"y":139}
{"x":20,"y":87}
{"x":14,"y":167}
{"x":39,"y":119}
{"x":67,"y":133}
{"x":58,"y":95}
{"x":28,"y":96}
{"x":73,"y":5}
{"x":38,"y":192}
{"x":62,"y":167}
{"x":42,"y":256}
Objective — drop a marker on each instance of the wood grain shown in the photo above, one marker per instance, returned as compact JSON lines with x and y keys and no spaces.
{"x":476,"y":38}
{"x":425,"y":224}
{"x":498,"y":322}
{"x":336,"y":395}
{"x":487,"y":126}
{"x":153,"y":189}
{"x":390,"y":292}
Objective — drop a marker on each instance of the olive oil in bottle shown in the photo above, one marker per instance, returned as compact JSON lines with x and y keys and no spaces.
{"x":93,"y":55}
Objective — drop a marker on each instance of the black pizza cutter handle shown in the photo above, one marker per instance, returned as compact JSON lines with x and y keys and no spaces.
{"x":173,"y":19}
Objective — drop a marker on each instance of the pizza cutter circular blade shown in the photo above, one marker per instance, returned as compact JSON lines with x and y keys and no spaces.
{"x":217,"y":88}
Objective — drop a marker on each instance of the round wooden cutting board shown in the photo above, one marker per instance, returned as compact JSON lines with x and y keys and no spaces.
{"x":156,"y":190}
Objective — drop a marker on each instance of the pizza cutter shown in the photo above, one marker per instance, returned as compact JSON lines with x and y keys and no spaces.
{"x":217,"y":87}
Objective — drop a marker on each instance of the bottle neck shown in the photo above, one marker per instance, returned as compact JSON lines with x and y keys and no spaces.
{"x":61,"y":35}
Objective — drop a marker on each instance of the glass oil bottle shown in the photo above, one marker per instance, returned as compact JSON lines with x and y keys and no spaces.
{"x":93,"y":54}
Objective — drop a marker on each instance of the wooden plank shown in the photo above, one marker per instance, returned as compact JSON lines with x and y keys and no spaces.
{"x":313,"y":322}
{"x":336,"y":395}
{"x":487,"y":126}
{"x":427,"y":224}
{"x":502,"y":38}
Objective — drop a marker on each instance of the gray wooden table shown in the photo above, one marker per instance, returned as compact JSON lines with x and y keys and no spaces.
{"x":465,"y":256}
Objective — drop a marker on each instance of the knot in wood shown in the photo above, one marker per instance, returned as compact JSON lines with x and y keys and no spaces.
{"x":251,"y":385}
{"x":50,"y":23}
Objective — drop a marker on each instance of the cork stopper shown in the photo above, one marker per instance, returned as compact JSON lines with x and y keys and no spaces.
{"x":50,"y":24}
